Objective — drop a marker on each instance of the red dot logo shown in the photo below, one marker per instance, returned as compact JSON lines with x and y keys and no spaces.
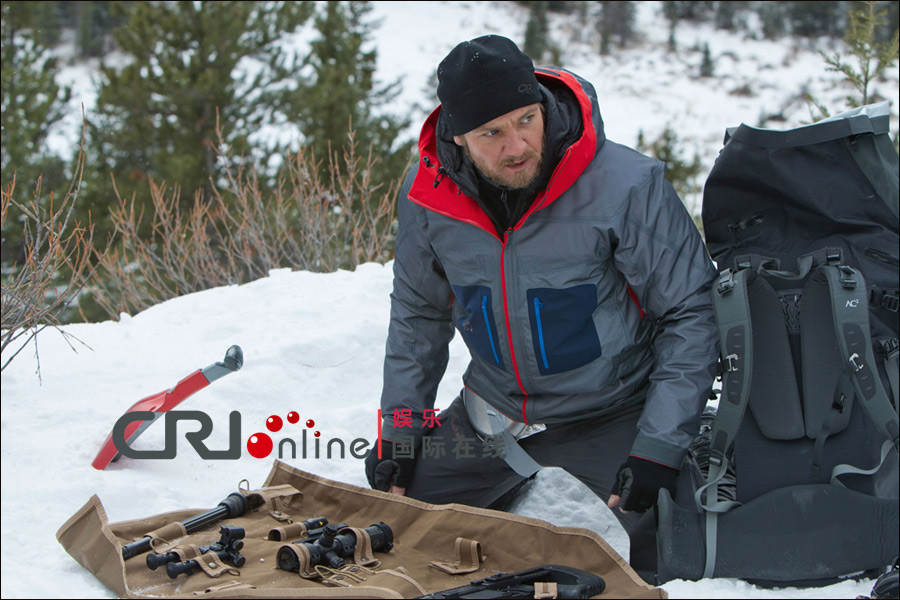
{"x":317,"y":434}
{"x":274,"y":423}
{"x":293,"y":417}
{"x":310,"y":423}
{"x":259,"y":445}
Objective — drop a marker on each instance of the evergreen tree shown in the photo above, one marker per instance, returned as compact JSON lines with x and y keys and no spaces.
{"x":616,"y":22}
{"x":537,"y":32}
{"x":157,"y":116}
{"x":773,"y":17}
{"x":94,"y":23}
{"x":812,"y":18}
{"x":339,"y":91}
{"x":689,"y":10}
{"x":872,"y":57}
{"x":707,"y":68}
{"x":680,"y":172}
{"x":726,"y":12}
{"x":32,"y":103}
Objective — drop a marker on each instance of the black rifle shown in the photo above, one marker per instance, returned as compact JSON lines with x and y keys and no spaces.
{"x":233,"y":506}
{"x":330,"y":547}
{"x":228,"y":549}
{"x":570,"y":583}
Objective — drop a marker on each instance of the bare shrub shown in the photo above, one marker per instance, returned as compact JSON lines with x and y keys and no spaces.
{"x":244,"y":230}
{"x":56,"y":267}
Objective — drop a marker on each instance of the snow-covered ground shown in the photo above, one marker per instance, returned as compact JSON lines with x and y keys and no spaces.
{"x":314,"y":343}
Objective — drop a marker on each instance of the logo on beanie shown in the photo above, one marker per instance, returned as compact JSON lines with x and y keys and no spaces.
{"x":525,"y":88}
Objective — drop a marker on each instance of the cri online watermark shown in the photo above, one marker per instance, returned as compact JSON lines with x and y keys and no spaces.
{"x":261,"y":445}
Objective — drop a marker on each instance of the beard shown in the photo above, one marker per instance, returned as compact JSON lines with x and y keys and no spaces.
{"x":515,"y":180}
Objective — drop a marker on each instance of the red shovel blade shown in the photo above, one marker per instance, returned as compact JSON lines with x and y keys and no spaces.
{"x":163,"y":402}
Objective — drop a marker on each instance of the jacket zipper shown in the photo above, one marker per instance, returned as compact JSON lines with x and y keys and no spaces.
{"x":540,"y":331}
{"x":512,"y":352}
{"x":487,"y":323}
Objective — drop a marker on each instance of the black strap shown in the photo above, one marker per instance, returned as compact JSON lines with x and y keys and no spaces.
{"x":851,"y":322}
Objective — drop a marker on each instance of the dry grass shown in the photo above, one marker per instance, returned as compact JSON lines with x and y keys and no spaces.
{"x":244,"y":230}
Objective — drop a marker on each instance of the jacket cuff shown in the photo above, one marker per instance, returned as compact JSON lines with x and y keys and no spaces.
{"x":656,"y":451}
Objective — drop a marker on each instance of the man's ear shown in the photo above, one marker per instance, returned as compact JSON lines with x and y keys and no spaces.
{"x":460,"y":141}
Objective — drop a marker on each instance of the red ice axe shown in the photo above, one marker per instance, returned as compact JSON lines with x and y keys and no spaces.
{"x":165,"y":401}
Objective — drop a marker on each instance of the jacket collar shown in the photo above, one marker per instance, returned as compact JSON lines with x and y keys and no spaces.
{"x":446,"y":182}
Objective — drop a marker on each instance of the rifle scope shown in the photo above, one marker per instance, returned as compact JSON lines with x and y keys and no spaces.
{"x":332,"y":547}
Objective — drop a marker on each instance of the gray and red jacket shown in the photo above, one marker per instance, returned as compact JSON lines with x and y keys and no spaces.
{"x":596,"y":301}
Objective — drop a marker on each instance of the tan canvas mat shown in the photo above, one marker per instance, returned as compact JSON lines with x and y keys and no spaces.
{"x":436,"y":547}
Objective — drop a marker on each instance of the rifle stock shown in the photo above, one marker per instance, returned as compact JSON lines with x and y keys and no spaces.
{"x":570,"y":583}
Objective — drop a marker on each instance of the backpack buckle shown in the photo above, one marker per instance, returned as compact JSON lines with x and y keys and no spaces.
{"x":889,"y":346}
{"x":730,"y":363}
{"x":847,"y":277}
{"x":726,"y":282}
{"x":886,"y":299}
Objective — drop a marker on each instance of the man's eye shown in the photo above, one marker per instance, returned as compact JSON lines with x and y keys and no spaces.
{"x":491,"y":133}
{"x":528,"y":119}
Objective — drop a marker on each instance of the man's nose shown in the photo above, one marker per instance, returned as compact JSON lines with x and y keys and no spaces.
{"x":516,"y":145}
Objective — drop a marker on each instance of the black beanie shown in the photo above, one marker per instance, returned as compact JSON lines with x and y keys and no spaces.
{"x":483,"y":79}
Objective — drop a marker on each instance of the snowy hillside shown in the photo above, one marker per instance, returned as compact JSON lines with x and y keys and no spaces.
{"x":314,"y":343}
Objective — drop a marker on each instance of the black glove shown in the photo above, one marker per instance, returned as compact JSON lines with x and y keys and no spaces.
{"x":386,"y":471}
{"x":638,"y":483}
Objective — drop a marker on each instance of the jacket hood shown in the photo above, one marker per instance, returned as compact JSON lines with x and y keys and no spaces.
{"x":574,"y":133}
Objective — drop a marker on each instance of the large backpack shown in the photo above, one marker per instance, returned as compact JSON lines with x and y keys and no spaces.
{"x":803,"y":226}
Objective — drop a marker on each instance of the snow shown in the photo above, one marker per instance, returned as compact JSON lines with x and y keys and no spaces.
{"x":314,"y":343}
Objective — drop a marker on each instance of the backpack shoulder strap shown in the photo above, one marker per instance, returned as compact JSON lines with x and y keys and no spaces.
{"x":850,"y":315}
{"x":732,"y":309}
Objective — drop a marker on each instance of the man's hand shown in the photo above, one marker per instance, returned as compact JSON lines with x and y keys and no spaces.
{"x":387,"y":473}
{"x":638,"y":483}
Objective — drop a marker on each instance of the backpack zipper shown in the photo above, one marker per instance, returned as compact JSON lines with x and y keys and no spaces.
{"x":882,"y":256}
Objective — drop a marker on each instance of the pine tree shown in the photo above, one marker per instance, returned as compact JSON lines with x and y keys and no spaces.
{"x":537,"y":32}
{"x":616,"y":21}
{"x":726,"y":13}
{"x":670,"y":12}
{"x":707,"y":67}
{"x":811,"y":18}
{"x":680,"y":172}
{"x":773,"y":17}
{"x":340,"y":91}
{"x":157,"y":116}
{"x":32,"y":103}
{"x":94,"y":22}
{"x":872,"y":57}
